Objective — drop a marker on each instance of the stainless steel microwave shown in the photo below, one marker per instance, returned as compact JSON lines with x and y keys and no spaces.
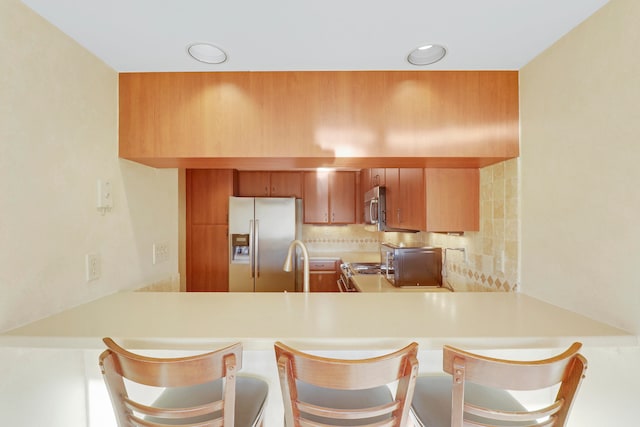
{"x":375,"y":206}
{"x":406,"y":266}
{"x":375,"y":210}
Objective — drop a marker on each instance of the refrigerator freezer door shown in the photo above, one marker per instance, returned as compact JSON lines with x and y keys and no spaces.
{"x":275,"y":220}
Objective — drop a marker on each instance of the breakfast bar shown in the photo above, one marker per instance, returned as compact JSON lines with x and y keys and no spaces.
{"x":318,"y":321}
{"x":343,"y":324}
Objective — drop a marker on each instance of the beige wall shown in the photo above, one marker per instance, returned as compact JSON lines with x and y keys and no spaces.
{"x":580,"y":153}
{"x":580,"y":134}
{"x":58,"y":136}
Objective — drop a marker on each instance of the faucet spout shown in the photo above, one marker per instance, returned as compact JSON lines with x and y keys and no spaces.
{"x":288,"y":262}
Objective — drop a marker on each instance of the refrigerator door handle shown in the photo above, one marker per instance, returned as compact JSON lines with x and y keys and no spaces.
{"x":256,"y":262}
{"x":252,"y":249}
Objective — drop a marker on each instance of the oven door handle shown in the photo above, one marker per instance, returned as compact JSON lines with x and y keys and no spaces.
{"x":342,"y":286}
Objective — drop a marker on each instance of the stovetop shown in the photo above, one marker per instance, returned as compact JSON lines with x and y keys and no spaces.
{"x":366,"y":268}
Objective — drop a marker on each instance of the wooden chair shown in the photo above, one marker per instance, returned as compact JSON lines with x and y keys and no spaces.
{"x":476,"y":393}
{"x":320,"y":391}
{"x":201,"y":390}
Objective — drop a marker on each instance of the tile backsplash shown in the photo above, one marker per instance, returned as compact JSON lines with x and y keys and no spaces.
{"x":490,"y":261}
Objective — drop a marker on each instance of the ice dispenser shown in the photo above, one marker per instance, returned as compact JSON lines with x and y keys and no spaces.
{"x":240,"y":248}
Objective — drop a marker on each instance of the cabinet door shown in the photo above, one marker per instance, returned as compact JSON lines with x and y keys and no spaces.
{"x":453,"y":199}
{"x":411,"y":205}
{"x":392,"y":184}
{"x":342,"y":197}
{"x":323,"y":281}
{"x":253,"y":184}
{"x":405,"y":198}
{"x":316,"y":198}
{"x":286,"y":184}
{"x":208,"y":192}
{"x":323,"y":276}
{"x":377,"y":177}
{"x":207,"y":261}
{"x":207,"y":200}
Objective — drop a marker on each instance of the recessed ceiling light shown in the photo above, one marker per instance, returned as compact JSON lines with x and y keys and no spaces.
{"x":207,"y":53}
{"x":427,"y":54}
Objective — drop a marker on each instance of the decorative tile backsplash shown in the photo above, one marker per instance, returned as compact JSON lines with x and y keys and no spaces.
{"x":340,"y":238}
{"x":490,"y":261}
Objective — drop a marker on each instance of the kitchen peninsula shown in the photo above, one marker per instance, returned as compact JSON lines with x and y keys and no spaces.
{"x":348,"y":324}
{"x":323,"y":320}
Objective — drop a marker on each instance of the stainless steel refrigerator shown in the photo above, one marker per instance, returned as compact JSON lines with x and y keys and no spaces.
{"x":260,"y":231}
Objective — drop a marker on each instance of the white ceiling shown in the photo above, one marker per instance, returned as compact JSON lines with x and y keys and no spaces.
{"x":261,"y":35}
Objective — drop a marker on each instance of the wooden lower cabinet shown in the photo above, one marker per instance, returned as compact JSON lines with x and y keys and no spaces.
{"x":208,"y":259}
{"x":323,"y":275}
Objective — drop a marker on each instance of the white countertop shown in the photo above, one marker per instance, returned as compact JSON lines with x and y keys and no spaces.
{"x":377,"y":283}
{"x":369,"y":282}
{"x":352,"y":256}
{"x":317,"y":321}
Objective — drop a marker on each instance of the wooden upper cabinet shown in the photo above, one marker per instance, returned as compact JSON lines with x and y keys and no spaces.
{"x":286,"y":184}
{"x":453,"y":199}
{"x":405,"y":198}
{"x":305,"y":119}
{"x":269,"y":184}
{"x":330,"y":197}
{"x":342,"y":197}
{"x":254,"y":184}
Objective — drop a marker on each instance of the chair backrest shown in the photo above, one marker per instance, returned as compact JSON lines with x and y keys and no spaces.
{"x":565,"y":370}
{"x":347,"y":374}
{"x":117,"y":364}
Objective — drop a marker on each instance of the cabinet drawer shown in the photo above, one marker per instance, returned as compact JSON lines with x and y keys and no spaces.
{"x":322,"y":265}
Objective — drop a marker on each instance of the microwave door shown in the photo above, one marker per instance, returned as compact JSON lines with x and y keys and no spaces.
{"x":373,"y":211}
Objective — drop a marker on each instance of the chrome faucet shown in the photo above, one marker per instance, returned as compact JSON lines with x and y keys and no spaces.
{"x":288,"y":262}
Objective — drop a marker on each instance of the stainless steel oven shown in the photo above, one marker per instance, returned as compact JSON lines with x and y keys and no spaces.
{"x":345,"y":281}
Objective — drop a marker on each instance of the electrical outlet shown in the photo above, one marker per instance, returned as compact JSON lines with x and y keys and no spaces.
{"x":160,"y":252}
{"x":92,"y":267}
{"x":500,"y":262}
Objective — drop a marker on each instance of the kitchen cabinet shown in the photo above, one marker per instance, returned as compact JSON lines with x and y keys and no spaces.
{"x":304,"y":119}
{"x":323,"y":275}
{"x":452,"y":199}
{"x":405,"y":198}
{"x":207,"y":216}
{"x":270,"y":184}
{"x":371,"y":177}
{"x":329,"y":197}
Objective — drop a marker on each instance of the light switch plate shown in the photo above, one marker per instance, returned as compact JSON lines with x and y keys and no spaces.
{"x":105,"y":197}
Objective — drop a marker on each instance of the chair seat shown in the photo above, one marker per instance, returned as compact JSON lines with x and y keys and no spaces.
{"x":251,"y":395}
{"x":344,"y":399}
{"x":432,"y":401}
